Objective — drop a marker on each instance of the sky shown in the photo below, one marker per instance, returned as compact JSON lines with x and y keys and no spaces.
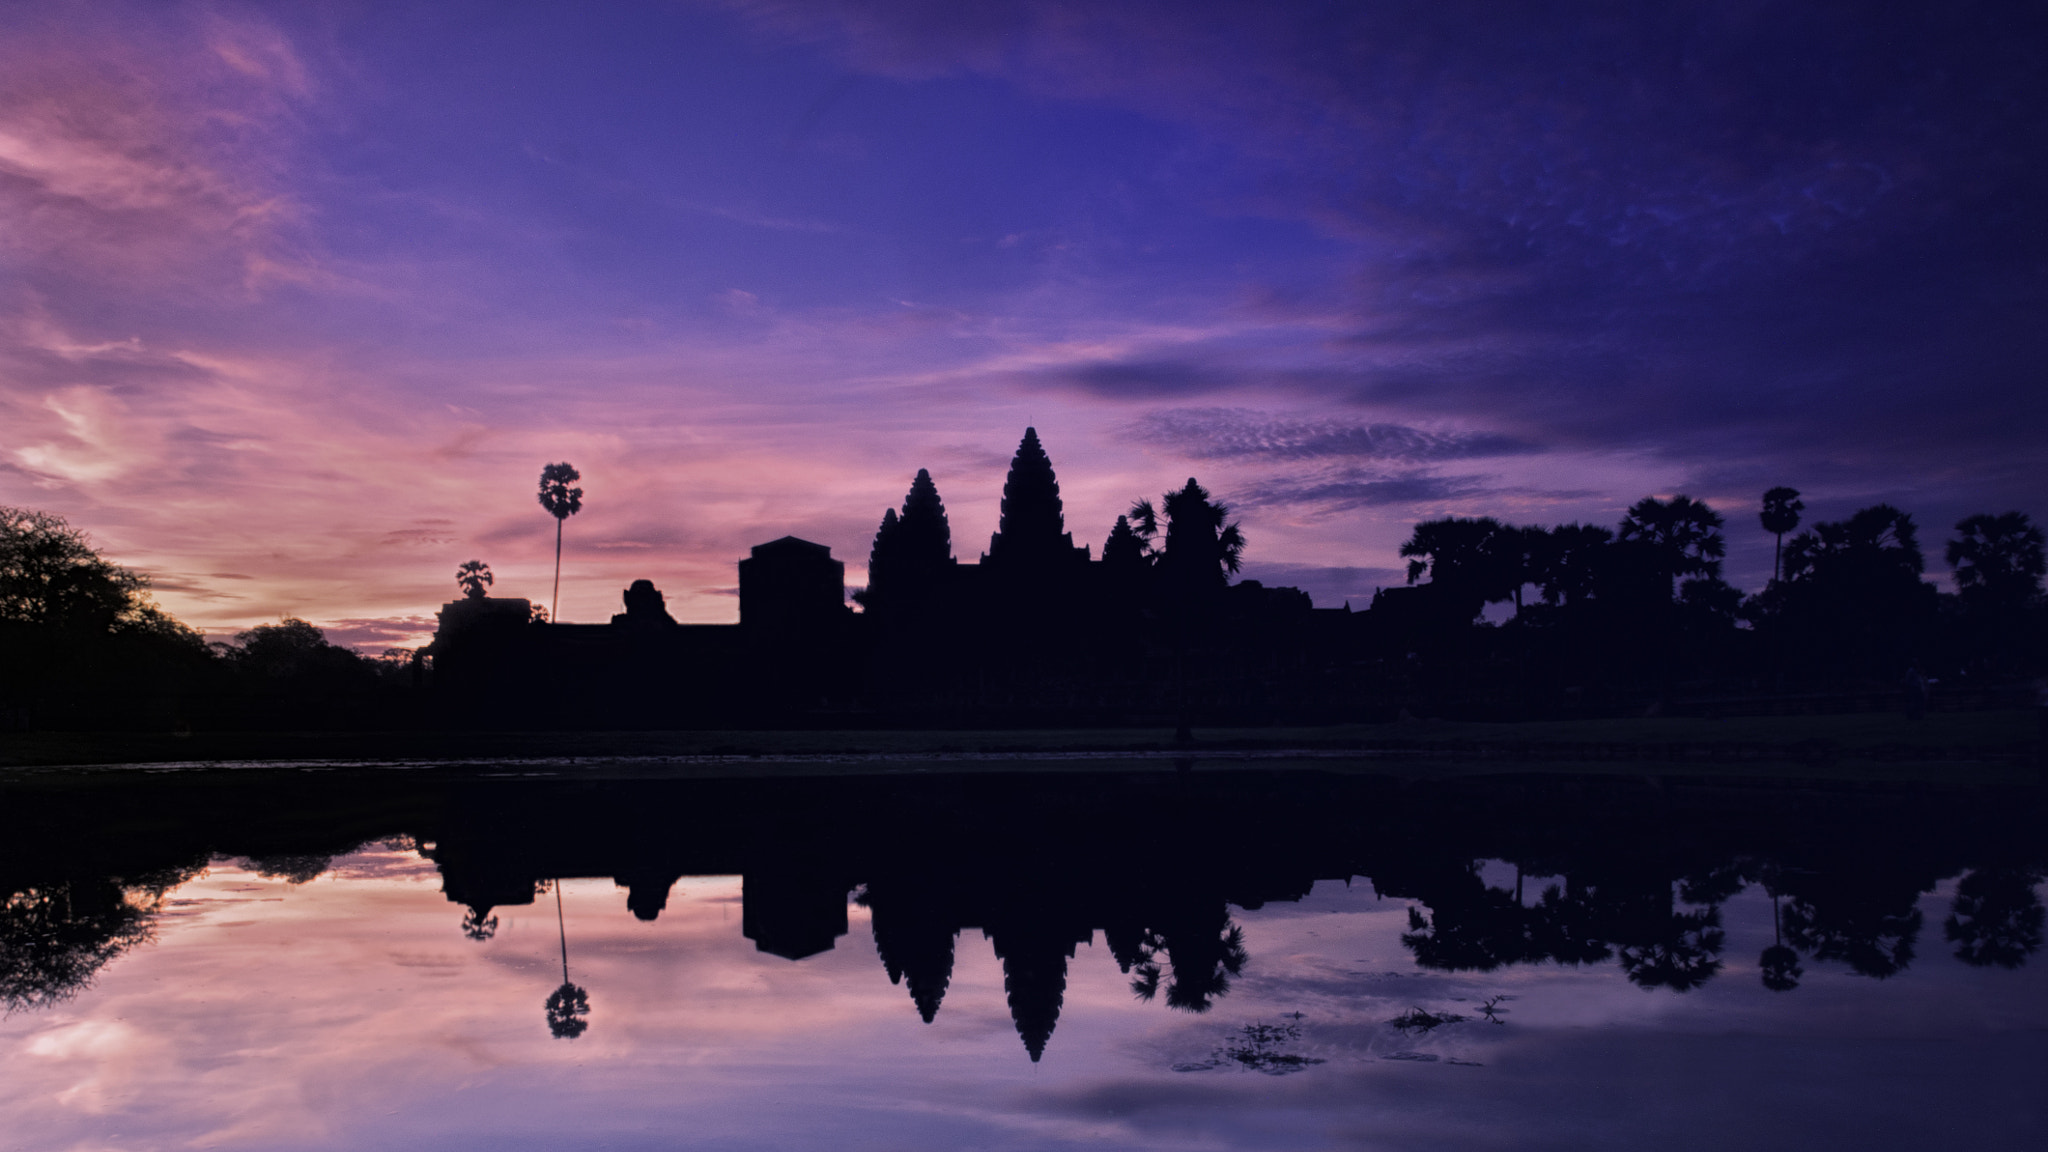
{"x":297,"y":299}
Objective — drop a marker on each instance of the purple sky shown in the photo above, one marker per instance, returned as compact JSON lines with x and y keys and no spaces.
{"x":296,"y":299}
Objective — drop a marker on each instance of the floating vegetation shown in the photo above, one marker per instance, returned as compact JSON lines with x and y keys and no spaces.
{"x":1417,"y":1021}
{"x":1259,"y":1047}
{"x":1414,"y":1057}
{"x":1492,"y":1011}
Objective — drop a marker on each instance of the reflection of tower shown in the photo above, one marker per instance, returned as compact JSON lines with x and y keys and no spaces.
{"x":916,"y":945}
{"x":646,"y":893}
{"x":791,"y":914}
{"x":1035,"y":977}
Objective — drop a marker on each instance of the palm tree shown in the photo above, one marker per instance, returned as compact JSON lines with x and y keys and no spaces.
{"x":1203,"y":547}
{"x":1780,"y":515}
{"x":1201,"y":541}
{"x":1998,"y":559}
{"x":1684,"y":536}
{"x":473,"y":577}
{"x":562,"y":502}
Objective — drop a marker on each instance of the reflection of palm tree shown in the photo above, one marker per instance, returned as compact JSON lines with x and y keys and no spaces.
{"x":569,"y":1004}
{"x":478,"y":923}
{"x":1683,"y":958}
{"x":1874,"y":939}
{"x":1779,"y":964}
{"x":1200,"y":960}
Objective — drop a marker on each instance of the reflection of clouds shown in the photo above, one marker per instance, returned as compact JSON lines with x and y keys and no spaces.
{"x":351,"y":1012}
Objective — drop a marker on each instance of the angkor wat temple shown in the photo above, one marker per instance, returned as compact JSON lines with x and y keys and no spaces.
{"x":1039,"y":630}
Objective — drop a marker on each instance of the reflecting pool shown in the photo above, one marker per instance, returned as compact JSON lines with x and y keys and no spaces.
{"x":1103,"y":959}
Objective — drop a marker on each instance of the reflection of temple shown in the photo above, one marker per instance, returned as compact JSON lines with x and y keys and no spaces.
{"x":1151,"y":864}
{"x":1037,"y":630}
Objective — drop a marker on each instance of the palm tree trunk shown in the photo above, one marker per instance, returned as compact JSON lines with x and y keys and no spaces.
{"x":555,"y":602}
{"x":1777,"y":561}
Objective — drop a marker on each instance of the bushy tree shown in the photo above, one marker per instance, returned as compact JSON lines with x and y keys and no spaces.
{"x":80,"y":640}
{"x":1676,"y":538}
{"x":1203,"y":546}
{"x":1852,"y":600}
{"x":474,"y":578}
{"x":1465,"y":559}
{"x":1998,"y":561}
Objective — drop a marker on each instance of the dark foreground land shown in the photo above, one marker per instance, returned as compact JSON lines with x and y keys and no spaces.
{"x":1958,"y":747}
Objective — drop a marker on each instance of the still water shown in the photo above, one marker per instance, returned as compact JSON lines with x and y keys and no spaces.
{"x":1205,"y":960}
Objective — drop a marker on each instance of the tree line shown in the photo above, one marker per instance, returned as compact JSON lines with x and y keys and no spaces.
{"x":1645,"y":601}
{"x":86,"y":646}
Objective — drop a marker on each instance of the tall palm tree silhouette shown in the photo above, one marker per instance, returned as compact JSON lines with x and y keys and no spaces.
{"x":569,"y":1004}
{"x":1780,"y":515}
{"x":562,"y":502}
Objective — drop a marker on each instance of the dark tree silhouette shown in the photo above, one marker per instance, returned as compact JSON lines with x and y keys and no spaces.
{"x":1468,"y":560}
{"x":474,"y":576}
{"x":1998,"y":560}
{"x":1202,"y":546}
{"x":55,"y":938}
{"x":294,"y":868}
{"x":1780,"y":515}
{"x":1996,"y":918}
{"x":1685,"y":955}
{"x":478,"y":923}
{"x":1469,"y":927}
{"x":1873,"y":543}
{"x":1568,"y":562}
{"x":561,"y":501}
{"x":1873,"y":936}
{"x":1682,"y":536}
{"x":1852,"y":597}
{"x":1203,"y":950}
{"x":566,"y":1008}
{"x":51,"y":575}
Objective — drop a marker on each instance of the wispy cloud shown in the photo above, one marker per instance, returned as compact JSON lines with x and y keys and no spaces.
{"x":1229,"y":433}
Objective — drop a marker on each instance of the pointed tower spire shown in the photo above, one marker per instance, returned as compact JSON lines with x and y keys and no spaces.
{"x":927,"y":539}
{"x":1033,"y":529}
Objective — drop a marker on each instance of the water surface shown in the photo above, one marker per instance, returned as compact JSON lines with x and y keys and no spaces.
{"x":1129,"y":960}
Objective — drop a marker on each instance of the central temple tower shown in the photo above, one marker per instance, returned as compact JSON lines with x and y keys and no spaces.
{"x":1032,"y":535}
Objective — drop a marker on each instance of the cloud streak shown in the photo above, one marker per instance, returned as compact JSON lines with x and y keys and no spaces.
{"x":1233,"y":433}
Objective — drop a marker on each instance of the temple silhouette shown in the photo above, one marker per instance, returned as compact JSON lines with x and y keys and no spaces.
{"x":1037,"y":630}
